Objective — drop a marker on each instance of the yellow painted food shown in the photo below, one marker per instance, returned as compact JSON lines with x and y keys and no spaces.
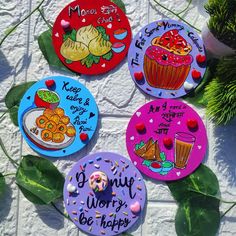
{"x":99,"y":46}
{"x":46,"y":135}
{"x":55,"y":118}
{"x":51,"y":126}
{"x":65,"y":120}
{"x":61,"y":128}
{"x":59,"y":111}
{"x":58,"y":137}
{"x":54,"y":125}
{"x":74,"y":51}
{"x":41,"y":121}
{"x":86,"y":34}
{"x":70,"y":131}
{"x":48,"y":113}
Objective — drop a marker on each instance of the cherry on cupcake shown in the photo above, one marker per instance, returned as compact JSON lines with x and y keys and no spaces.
{"x":192,"y":124}
{"x":196,"y":74}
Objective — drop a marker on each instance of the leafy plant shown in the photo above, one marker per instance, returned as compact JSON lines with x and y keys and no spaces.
{"x":197,"y":196}
{"x":221,"y":96}
{"x":222,"y":22}
{"x":39,"y":180}
{"x":120,"y":4}
{"x":13,"y":98}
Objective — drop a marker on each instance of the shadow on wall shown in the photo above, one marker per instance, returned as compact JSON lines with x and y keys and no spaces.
{"x":50,"y":216}
{"x":225,"y":149}
{"x":5,"y":69}
{"x":5,"y":203}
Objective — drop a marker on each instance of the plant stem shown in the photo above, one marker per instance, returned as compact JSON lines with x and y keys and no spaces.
{"x":177,"y":15}
{"x":228,"y":210}
{"x":3,"y":114}
{"x":7,"y":155}
{"x":61,"y":213}
{"x":42,"y":15}
{"x":208,"y":195}
{"x":185,"y":9}
{"x":13,"y":28}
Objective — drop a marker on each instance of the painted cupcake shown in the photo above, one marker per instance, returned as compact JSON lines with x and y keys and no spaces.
{"x":167,"y":61}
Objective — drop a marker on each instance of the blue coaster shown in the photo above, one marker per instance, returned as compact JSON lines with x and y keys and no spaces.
{"x":57,"y":116}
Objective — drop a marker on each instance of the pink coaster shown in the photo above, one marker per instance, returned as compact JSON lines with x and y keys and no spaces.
{"x":166,"y":139}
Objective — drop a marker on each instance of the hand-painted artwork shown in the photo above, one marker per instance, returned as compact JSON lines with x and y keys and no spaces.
{"x":91,"y":37}
{"x":166,"y":139}
{"x":104,"y":194}
{"x":57,"y":116}
{"x":167,"y":59}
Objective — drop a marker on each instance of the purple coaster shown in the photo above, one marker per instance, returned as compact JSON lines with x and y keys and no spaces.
{"x":166,"y":139}
{"x":167,"y":59}
{"x":113,"y":210}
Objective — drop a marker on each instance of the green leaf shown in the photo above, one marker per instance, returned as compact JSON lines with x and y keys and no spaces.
{"x":202,"y":180}
{"x":2,"y":185}
{"x":120,"y":4}
{"x":103,"y":32}
{"x":13,"y":98}
{"x":96,"y":59}
{"x":147,"y":163}
{"x":71,"y":35}
{"x":198,"y":217}
{"x":13,"y":112}
{"x":46,"y":47}
{"x":89,"y":60}
{"x":163,"y":156}
{"x":39,"y":180}
{"x":108,"y":56}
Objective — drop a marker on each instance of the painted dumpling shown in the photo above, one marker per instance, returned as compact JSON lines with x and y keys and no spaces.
{"x":74,"y":51}
{"x":99,"y":46}
{"x":86,"y":34}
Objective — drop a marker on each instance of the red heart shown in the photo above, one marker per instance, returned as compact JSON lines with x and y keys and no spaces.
{"x":192,"y":123}
{"x":50,"y":83}
{"x":83,"y":136}
{"x":140,"y":127}
{"x":200,"y":59}
{"x":138,"y":75}
{"x":196,"y":74}
{"x":167,"y":141}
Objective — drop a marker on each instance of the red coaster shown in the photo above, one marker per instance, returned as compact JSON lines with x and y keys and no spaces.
{"x":91,"y":37}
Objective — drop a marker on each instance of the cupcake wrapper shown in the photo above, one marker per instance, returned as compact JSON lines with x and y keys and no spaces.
{"x":165,"y":77}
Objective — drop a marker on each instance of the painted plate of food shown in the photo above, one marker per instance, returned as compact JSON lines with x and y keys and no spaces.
{"x":49,"y":129}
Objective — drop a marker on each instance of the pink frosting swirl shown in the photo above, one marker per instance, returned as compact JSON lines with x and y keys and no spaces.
{"x":165,"y":58}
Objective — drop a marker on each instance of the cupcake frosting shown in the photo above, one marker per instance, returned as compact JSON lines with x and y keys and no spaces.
{"x":165,"y":58}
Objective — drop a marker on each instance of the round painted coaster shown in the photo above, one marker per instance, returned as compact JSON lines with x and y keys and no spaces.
{"x":57,"y":116}
{"x":116,"y":199}
{"x":167,"y":59}
{"x":166,"y":139}
{"x":91,"y":37}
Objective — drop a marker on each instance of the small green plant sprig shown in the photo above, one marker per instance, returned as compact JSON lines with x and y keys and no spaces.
{"x":222,"y":22}
{"x":221,"y":92}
